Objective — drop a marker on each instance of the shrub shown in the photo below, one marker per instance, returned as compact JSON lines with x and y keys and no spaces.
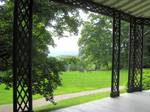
{"x":146,"y":80}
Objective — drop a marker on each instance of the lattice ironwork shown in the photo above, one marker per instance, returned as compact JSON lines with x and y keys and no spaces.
{"x":22,"y":49}
{"x":99,"y":8}
{"x":116,"y":55}
{"x":131,"y":56}
{"x":22,"y":56}
{"x":135,"y":56}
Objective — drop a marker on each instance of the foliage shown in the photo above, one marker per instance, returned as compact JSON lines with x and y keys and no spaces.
{"x":49,"y":20}
{"x":124,"y":40}
{"x":70,"y":63}
{"x":146,"y":56}
{"x":47,"y":76}
{"x":95,"y":42}
{"x":146,"y":80}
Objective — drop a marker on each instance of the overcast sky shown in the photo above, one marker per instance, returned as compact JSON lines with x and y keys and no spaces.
{"x":67,"y":45}
{"x":1,"y":3}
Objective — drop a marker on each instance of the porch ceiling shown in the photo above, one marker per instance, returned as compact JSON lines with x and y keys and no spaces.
{"x":138,"y":8}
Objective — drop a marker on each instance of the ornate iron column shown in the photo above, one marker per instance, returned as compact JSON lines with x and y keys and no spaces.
{"x":22,"y":84}
{"x":116,"y":55}
{"x":135,"y":56}
{"x":131,"y":56}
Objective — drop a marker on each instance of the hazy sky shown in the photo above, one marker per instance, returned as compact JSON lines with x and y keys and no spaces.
{"x":67,"y":45}
{"x":1,"y":3}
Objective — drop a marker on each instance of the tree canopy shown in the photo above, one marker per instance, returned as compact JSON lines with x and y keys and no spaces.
{"x":95,"y":43}
{"x":50,"y":20}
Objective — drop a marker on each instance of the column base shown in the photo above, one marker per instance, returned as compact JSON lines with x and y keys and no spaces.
{"x":137,"y":89}
{"x":115,"y":94}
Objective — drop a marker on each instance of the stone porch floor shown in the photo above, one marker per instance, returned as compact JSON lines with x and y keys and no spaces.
{"x":128,"y":102}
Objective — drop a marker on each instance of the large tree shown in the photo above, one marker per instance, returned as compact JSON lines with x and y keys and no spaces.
{"x":95,"y":42}
{"x":46,"y":15}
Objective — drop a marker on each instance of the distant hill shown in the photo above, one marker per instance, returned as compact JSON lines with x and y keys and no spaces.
{"x":64,"y":54}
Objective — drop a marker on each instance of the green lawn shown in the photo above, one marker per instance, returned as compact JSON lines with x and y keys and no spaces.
{"x":82,"y":81}
{"x":74,"y":82}
{"x":6,"y":95}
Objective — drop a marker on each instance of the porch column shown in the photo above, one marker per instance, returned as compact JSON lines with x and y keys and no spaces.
{"x":135,"y":56}
{"x":22,"y":40}
{"x":116,"y":55}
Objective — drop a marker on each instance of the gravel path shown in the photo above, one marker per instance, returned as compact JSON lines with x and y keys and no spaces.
{"x":42,"y":101}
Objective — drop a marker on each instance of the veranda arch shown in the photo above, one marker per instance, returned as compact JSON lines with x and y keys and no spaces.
{"x":22,"y":44}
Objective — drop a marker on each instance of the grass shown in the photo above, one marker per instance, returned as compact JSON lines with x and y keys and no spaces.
{"x":82,"y":81}
{"x":74,"y":82}
{"x":7,"y":95}
{"x":73,"y":101}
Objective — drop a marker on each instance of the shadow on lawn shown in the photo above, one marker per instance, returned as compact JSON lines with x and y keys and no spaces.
{"x":48,"y":109}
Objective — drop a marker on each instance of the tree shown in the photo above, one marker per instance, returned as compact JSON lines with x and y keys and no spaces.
{"x":46,"y":14}
{"x":124,"y":47}
{"x":146,"y":47}
{"x":71,"y":63}
{"x":95,"y":42}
